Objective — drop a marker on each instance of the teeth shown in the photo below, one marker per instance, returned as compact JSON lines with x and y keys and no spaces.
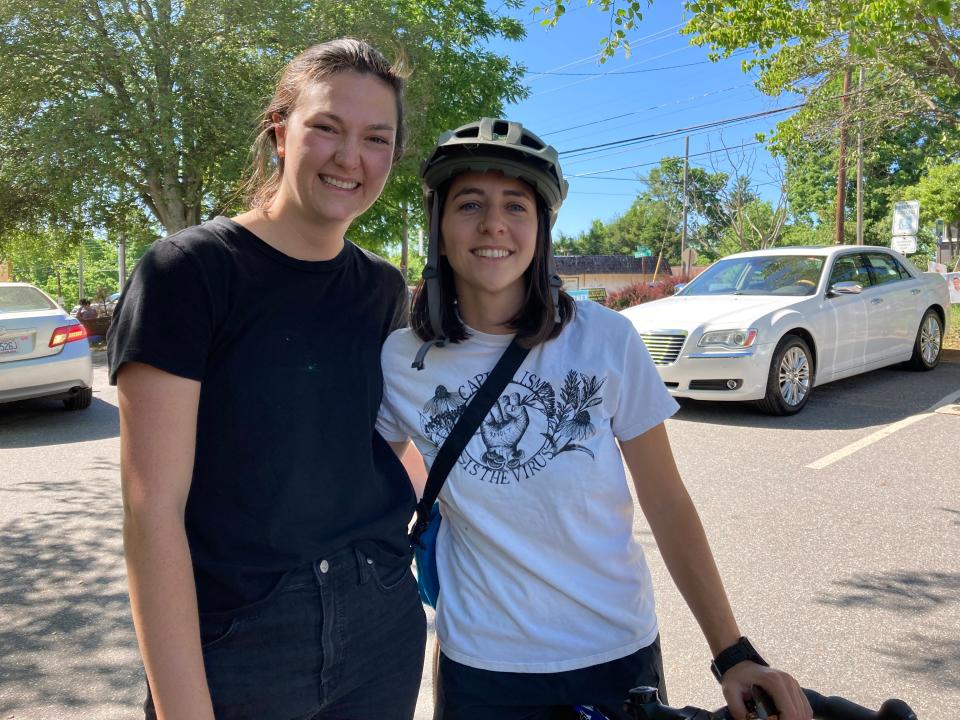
{"x":339,"y":183}
{"x":491,"y":253}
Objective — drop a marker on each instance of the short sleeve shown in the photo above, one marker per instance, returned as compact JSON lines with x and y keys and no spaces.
{"x":388,"y":422}
{"x":165,"y":315}
{"x":644,"y":401}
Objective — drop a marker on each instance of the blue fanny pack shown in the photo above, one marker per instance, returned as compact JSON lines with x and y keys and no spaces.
{"x":425,"y":555}
{"x":423,"y":537}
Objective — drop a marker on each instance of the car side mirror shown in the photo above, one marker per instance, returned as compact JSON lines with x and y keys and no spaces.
{"x":845,"y":287}
{"x":678,"y":287}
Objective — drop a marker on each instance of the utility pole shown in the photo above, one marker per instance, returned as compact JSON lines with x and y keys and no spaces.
{"x":122,"y":261}
{"x":860,"y":160}
{"x":80,"y":291}
{"x":684,"y":270}
{"x":404,"y":239}
{"x":842,"y":160}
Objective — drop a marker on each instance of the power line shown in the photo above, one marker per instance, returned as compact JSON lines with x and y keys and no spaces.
{"x":680,"y":131}
{"x":631,"y":72}
{"x":648,"y":109}
{"x":594,"y":175}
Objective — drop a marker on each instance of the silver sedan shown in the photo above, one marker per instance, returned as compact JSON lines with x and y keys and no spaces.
{"x":43,"y":351}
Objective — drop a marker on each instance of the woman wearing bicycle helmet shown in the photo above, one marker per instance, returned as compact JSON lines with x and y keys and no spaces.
{"x":545,"y":599}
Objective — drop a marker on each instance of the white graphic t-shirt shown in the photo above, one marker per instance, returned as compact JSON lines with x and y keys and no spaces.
{"x":538,"y":568}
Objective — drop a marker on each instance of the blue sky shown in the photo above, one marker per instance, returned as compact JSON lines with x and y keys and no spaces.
{"x":664,"y":85}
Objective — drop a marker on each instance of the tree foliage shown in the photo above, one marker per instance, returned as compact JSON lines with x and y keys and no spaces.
{"x":113,"y":109}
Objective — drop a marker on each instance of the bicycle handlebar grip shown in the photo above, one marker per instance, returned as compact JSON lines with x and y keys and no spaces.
{"x":894,"y":709}
{"x":837,"y":708}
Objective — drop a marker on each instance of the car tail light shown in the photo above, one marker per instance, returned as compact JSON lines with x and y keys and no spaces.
{"x":67,"y":333}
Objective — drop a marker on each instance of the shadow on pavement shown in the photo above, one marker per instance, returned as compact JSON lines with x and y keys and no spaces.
{"x":934,"y":654}
{"x":875,"y":398}
{"x":44,"y":422}
{"x":66,"y":638}
{"x":935,"y":657}
{"x":901,"y":591}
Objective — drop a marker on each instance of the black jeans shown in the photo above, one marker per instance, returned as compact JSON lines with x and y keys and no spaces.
{"x":465,"y":693}
{"x":341,"y":638}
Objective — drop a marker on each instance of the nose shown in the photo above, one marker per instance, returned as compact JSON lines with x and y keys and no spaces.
{"x":347,"y":154}
{"x":492,"y":221}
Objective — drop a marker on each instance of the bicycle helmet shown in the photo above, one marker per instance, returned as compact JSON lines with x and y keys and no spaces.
{"x":483,"y":146}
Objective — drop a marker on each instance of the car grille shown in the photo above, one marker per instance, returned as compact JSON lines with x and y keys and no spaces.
{"x":664,"y":348}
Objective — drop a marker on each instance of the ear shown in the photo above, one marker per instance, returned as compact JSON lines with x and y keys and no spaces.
{"x":280,"y":132}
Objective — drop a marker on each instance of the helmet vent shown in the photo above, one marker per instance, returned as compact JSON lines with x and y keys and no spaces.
{"x":530,"y":142}
{"x":501,"y":128}
{"x":469,"y":131}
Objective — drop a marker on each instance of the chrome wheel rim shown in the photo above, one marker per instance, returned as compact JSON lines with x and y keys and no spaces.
{"x":930,"y":339}
{"x":794,"y":376}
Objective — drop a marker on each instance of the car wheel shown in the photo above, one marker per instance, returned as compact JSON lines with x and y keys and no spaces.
{"x":929,"y":343}
{"x":79,"y":400}
{"x":790,"y":380}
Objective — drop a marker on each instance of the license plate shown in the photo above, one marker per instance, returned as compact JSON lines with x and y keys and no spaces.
{"x":8,"y":346}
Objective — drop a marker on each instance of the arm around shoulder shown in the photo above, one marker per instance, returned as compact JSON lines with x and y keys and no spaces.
{"x":158,"y":416}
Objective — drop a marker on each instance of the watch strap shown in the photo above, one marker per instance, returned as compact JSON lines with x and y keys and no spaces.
{"x":737,"y":653}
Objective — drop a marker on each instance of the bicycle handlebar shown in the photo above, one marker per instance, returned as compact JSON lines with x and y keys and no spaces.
{"x":644,"y":704}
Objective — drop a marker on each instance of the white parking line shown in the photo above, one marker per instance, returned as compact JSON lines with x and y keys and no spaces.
{"x":850,"y":449}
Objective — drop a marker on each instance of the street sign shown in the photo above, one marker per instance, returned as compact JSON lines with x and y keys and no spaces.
{"x":643,"y":252}
{"x":904,"y":244}
{"x":906,"y":218}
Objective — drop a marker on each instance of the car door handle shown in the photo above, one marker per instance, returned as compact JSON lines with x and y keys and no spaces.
{"x":876,"y":301}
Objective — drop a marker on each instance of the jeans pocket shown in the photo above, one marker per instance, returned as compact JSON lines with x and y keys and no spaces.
{"x":388,"y":577}
{"x":216,"y":632}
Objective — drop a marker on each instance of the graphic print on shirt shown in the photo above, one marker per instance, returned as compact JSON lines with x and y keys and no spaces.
{"x":527,"y":427}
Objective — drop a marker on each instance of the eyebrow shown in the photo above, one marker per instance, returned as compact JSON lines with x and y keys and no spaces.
{"x":375,"y":126}
{"x":478,"y":191}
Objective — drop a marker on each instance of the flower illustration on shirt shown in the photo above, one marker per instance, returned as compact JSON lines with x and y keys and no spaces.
{"x":440,"y":414}
{"x":563,"y":419}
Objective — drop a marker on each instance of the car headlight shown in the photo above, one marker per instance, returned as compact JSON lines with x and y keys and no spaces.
{"x":743,"y":338}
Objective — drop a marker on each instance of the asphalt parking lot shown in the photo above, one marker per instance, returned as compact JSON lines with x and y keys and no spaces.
{"x":837,"y":532}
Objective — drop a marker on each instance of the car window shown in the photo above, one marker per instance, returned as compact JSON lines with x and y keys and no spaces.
{"x":885,"y":268}
{"x":23,"y":299}
{"x":850,"y":268}
{"x":759,"y":275}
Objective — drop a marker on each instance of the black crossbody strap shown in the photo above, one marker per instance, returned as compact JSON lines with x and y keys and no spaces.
{"x":463,"y":430}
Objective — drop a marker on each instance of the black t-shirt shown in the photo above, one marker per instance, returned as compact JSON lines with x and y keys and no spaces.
{"x":288,"y":466}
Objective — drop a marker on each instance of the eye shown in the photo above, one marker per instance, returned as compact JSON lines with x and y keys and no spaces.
{"x":469,"y":205}
{"x":324,"y":128}
{"x":517,"y":207}
{"x":380,"y":140}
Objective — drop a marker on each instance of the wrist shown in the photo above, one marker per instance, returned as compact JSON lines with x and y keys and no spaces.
{"x":737,"y":653}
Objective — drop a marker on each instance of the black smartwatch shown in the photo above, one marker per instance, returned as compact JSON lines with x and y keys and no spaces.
{"x":736,"y":653}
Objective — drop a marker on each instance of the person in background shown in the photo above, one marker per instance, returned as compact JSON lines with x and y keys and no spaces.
{"x":86,"y":311}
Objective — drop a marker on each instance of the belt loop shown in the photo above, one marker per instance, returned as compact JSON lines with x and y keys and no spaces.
{"x":364,"y":565}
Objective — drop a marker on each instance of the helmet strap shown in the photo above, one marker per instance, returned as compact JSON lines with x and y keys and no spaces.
{"x":555,"y":282}
{"x":431,"y":278}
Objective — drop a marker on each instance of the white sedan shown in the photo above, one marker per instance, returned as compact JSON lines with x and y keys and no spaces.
{"x":43,"y":351}
{"x":772,"y":324}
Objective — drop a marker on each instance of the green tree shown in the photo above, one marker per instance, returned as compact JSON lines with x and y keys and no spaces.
{"x":113,"y":108}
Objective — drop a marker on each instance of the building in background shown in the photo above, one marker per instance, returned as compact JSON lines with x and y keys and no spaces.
{"x":609,"y":272}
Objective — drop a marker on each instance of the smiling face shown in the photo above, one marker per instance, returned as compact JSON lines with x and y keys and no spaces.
{"x":489,"y":232}
{"x":337,"y":148}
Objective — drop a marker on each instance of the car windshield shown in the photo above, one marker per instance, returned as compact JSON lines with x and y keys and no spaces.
{"x":759,"y":275}
{"x":23,"y":299}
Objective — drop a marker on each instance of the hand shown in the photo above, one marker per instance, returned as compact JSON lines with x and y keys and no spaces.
{"x":786,"y":693}
{"x":506,"y":423}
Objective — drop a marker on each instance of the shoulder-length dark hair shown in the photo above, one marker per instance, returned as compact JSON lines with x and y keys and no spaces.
{"x":535,"y":323}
